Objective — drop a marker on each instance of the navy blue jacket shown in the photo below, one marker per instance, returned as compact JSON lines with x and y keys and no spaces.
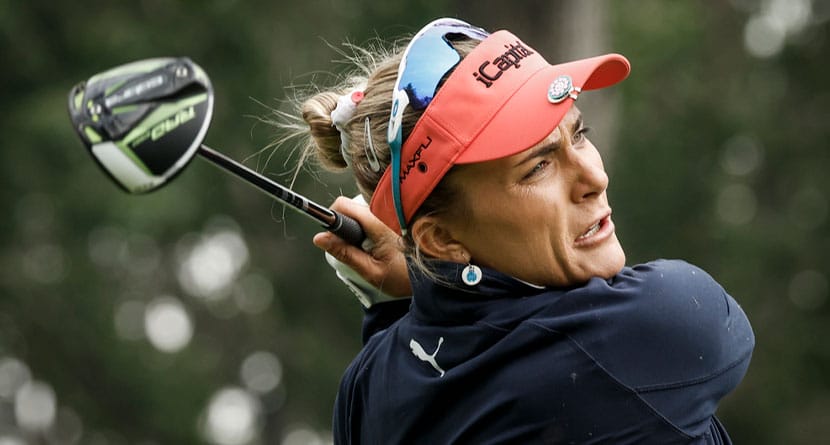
{"x":642,"y":358}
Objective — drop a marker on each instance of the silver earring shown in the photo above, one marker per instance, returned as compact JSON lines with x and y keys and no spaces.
{"x":471,"y":275}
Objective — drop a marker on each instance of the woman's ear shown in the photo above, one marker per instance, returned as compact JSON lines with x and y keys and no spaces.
{"x":434,"y":239}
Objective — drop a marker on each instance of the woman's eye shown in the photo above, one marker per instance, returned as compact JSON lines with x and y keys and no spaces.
{"x":537,"y":168}
{"x":580,"y":134}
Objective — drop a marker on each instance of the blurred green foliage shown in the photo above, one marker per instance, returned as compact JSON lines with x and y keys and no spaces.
{"x":719,"y":158}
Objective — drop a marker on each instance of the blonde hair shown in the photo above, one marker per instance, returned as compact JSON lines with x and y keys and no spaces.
{"x":377,"y":69}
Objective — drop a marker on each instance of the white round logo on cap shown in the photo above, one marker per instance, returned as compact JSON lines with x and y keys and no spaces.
{"x":560,"y":88}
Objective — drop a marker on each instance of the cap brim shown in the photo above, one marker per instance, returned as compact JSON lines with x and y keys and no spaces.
{"x":529,"y":117}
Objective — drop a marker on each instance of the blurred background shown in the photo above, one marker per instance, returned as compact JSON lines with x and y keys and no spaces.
{"x":201,"y":313}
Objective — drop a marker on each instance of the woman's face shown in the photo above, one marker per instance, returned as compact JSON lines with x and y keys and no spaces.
{"x":542,"y":215}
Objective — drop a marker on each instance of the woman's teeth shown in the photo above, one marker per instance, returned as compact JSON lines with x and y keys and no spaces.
{"x":594,"y":229}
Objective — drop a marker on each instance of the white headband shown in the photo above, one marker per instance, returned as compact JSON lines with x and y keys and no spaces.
{"x":341,"y":115}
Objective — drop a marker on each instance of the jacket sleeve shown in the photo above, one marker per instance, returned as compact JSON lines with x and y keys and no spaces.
{"x":674,"y":336}
{"x":346,"y":419}
{"x":685,"y":326}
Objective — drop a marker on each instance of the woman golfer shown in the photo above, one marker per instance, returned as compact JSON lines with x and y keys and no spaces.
{"x":524,"y":324}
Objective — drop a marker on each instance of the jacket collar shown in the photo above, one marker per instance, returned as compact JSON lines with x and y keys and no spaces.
{"x":447,"y":299}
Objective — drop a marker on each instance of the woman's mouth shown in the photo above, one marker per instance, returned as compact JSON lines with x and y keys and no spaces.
{"x":597,"y":233}
{"x":594,"y":229}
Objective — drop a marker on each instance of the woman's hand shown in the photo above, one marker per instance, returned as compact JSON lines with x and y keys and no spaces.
{"x":384,"y":265}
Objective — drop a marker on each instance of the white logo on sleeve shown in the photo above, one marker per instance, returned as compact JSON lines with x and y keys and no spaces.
{"x":419,"y":352}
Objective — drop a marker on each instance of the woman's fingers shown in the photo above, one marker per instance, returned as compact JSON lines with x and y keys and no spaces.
{"x":384,"y":265}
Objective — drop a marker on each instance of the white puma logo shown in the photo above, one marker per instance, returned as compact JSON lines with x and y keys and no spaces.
{"x":419,"y":352}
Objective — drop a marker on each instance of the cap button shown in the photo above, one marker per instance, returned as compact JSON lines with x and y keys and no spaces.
{"x":561,"y":88}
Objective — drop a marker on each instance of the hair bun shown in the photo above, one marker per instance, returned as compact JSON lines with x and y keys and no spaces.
{"x":316,"y":113}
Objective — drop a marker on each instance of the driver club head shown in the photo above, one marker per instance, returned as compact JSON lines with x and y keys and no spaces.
{"x":143,"y":121}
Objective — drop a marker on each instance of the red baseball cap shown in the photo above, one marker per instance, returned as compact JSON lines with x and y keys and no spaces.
{"x":502,"y":99}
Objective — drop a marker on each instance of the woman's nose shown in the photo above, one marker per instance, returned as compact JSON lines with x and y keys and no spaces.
{"x":589,"y":176}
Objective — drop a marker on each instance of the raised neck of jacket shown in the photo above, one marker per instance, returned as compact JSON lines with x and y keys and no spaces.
{"x":447,"y":298}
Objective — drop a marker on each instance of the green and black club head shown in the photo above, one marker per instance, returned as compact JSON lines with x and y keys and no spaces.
{"x":143,"y":121}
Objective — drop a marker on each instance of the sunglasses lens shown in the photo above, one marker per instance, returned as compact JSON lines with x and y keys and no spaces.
{"x":429,"y":58}
{"x":426,"y":65}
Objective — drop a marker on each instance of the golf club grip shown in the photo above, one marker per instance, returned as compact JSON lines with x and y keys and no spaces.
{"x":347,"y":228}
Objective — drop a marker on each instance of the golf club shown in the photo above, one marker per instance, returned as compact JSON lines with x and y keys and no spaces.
{"x":144,"y":121}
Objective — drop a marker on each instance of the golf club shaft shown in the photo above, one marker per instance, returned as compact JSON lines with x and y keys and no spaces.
{"x":337,"y":223}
